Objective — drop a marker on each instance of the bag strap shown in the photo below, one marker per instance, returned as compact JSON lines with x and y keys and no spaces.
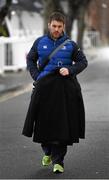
{"x":58,"y":48}
{"x":52,"y":54}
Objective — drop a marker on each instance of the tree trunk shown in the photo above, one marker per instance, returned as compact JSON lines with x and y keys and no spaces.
{"x":81,"y":27}
{"x":4,"y":11}
{"x":69,"y":22}
{"x":70,"y":17}
{"x":81,"y":22}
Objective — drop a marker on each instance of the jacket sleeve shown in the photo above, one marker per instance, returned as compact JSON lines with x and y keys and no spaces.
{"x":79,"y":61}
{"x":32,"y":60}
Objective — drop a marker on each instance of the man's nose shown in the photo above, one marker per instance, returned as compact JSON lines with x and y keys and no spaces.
{"x":56,"y":29}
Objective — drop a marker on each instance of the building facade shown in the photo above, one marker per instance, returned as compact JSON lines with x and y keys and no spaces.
{"x":97,"y":18}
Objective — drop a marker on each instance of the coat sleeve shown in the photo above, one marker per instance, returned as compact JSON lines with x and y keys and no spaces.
{"x":79,"y":61}
{"x":32,"y":58}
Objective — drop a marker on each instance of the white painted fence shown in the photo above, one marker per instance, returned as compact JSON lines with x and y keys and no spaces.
{"x":13,"y":52}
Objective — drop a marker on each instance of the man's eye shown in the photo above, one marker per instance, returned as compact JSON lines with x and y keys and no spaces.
{"x":57,"y":26}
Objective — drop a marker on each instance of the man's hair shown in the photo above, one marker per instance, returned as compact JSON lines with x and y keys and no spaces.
{"x":58,"y":16}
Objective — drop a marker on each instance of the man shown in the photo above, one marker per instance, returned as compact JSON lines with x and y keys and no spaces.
{"x":56,"y":115}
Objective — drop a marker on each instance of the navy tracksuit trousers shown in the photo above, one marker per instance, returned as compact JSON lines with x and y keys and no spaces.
{"x":57,"y":152}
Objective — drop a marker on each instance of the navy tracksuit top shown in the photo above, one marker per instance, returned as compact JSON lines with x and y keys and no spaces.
{"x":44,"y":45}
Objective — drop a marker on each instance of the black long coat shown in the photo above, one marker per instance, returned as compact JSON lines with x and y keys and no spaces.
{"x":56,"y":111}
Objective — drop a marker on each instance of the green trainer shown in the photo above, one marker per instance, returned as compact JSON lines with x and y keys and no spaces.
{"x":46,"y":160}
{"x":58,"y":168}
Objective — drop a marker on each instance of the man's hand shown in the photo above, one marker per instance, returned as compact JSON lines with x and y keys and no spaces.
{"x":64,"y":71}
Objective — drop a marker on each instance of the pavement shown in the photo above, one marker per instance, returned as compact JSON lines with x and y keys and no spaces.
{"x":12,"y":81}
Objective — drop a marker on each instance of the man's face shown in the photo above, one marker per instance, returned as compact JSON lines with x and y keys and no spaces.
{"x":56,"y":28}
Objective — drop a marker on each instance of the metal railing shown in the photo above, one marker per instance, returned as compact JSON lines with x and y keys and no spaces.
{"x":91,"y":39}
